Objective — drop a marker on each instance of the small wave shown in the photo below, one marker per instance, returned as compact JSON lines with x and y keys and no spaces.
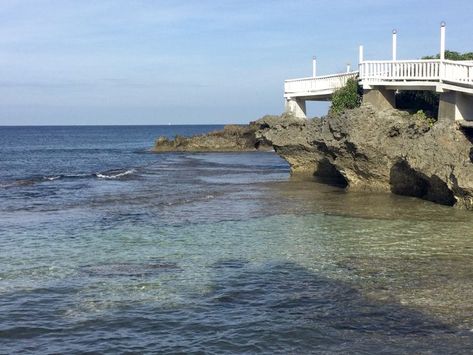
{"x":72,"y":176}
{"x":52,"y":178}
{"x":110,"y":174}
{"x":115,"y":174}
{"x":65,"y":176}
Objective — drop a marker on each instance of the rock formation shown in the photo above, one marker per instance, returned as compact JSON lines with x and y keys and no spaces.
{"x":232,"y":138}
{"x":365,"y":149}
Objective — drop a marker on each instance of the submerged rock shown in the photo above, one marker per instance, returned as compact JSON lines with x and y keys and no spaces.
{"x":128,"y":269}
{"x":391,"y":150}
{"x":232,"y":138}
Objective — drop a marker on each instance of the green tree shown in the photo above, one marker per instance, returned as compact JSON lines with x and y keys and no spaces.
{"x":347,"y":97}
{"x":452,"y":55}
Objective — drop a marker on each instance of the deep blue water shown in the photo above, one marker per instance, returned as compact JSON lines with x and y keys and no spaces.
{"x":107,"y":247}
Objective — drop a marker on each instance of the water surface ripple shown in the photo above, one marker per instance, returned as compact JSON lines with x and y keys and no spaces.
{"x":109,"y":248}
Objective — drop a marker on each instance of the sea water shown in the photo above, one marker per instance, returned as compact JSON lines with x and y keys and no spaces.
{"x":107,"y":247}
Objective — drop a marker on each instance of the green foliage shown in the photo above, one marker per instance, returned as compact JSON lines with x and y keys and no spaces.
{"x":452,"y":55}
{"x":347,"y":97}
{"x":423,"y":117}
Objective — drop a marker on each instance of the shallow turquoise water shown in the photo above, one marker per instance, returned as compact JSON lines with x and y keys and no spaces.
{"x":131,"y":251}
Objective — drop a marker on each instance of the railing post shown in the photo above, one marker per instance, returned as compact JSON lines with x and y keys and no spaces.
{"x":394,"y":44}
{"x":314,"y":66}
{"x":348,"y":67}
{"x":442,"y":51}
{"x":442,"y":40}
{"x":360,"y":61}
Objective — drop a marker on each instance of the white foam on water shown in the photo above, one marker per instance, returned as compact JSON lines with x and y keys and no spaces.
{"x":52,"y":178}
{"x":115,"y":174}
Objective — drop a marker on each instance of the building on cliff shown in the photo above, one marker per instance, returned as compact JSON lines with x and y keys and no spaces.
{"x":381,"y":79}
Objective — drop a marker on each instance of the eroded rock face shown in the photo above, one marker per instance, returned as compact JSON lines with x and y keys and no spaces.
{"x":390,"y":150}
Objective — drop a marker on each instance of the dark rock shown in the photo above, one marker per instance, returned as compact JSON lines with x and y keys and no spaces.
{"x":232,"y":138}
{"x":128,"y":269}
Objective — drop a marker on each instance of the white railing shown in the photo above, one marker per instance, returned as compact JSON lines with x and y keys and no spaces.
{"x":379,"y":72}
{"x":318,"y":84}
{"x":460,"y":72}
{"x":400,"y":70}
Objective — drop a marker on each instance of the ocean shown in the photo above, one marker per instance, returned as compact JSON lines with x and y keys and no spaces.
{"x":107,"y":247}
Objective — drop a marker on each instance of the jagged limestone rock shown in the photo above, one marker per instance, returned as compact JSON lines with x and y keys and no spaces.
{"x":369,"y":150}
{"x":232,"y":138}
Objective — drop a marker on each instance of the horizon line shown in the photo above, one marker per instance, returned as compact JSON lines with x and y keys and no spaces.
{"x":123,"y":125}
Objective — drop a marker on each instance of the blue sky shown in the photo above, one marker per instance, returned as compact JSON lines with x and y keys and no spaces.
{"x":203,"y":61}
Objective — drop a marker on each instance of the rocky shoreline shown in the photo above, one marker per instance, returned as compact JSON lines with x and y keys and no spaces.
{"x":233,"y":138}
{"x":368,"y":150}
{"x":361,"y":149}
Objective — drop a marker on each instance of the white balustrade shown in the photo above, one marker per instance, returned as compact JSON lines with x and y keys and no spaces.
{"x":387,"y":72}
{"x":418,"y":70}
{"x":312,"y":86}
{"x":400,"y":70}
{"x":459,"y":72}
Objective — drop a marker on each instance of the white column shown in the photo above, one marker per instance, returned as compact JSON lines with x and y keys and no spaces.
{"x":360,"y":60}
{"x":442,"y":40}
{"x":296,"y":107}
{"x":394,"y":45}
{"x":314,"y":67}
{"x":360,"y":55}
{"x":348,"y":67}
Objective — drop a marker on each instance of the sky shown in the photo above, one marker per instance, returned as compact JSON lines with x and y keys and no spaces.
{"x":82,"y":62}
